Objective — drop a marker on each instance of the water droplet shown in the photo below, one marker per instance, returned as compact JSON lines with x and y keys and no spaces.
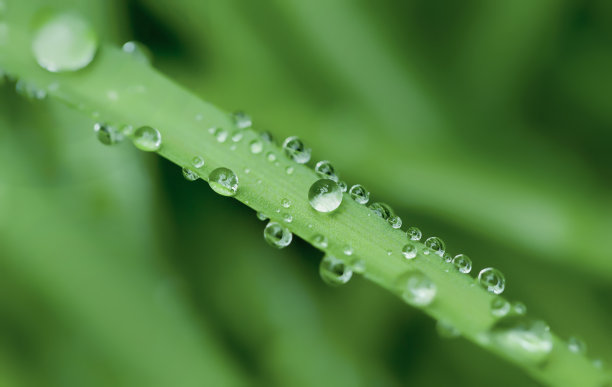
{"x":347,"y":250}
{"x":409,"y":251}
{"x":389,"y":252}
{"x":286,"y":203}
{"x":492,"y":279}
{"x":262,"y":216}
{"x":358,"y":265}
{"x":395,"y":221}
{"x":526,"y":340}
{"x":416,"y":288}
{"x":294,"y":149}
{"x":219,"y":133}
{"x":447,"y":258}
{"x":436,"y":245}
{"x":320,"y":241}
{"x":223,"y":181}
{"x":107,"y":134}
{"x":325,"y":195}
{"x":381,"y":209}
{"x":242,"y":120}
{"x":197,"y":162}
{"x":288,"y":218}
{"x":333,"y":271}
{"x":289,"y":170}
{"x":499,"y":307}
{"x":190,"y":175}
{"x":277,"y":235}
{"x":138,"y":51}
{"x":64,"y":42}
{"x":359,"y":194}
{"x":326,"y":170}
{"x":256,"y":146}
{"x":463,"y":263}
{"x":576,"y":345}
{"x":267,"y":137}
{"x":519,"y":308}
{"x":414,"y":233}
{"x":343,"y":186}
{"x":127,"y":130}
{"x":271,"y":157}
{"x":447,"y":330}
{"x":237,"y":136}
{"x":147,"y":139}
{"x":29,"y":90}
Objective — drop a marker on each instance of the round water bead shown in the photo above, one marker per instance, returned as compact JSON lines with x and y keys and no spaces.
{"x":107,"y":134}
{"x":271,"y":156}
{"x":416,"y":288}
{"x":64,"y":42}
{"x":576,"y":345}
{"x":381,"y":209}
{"x":463,"y":263}
{"x":395,"y":221}
{"x":525,"y":339}
{"x":325,"y":195}
{"x":436,"y":245}
{"x":347,"y":250}
{"x":286,"y":203}
{"x":359,"y":194}
{"x":223,"y":181}
{"x":267,"y":137}
{"x":289,"y":170}
{"x":138,"y":51}
{"x":326,"y":170}
{"x":237,"y":136}
{"x":190,"y":175}
{"x":333,"y":271}
{"x":288,"y":218}
{"x":519,"y":308}
{"x":256,"y":146}
{"x":320,"y":241}
{"x":492,"y":279}
{"x":409,"y":251}
{"x":147,"y":139}
{"x":446,"y":257}
{"x":447,"y":330}
{"x":277,"y":235}
{"x":242,"y":120}
{"x":294,"y":149}
{"x":500,"y":307}
{"x":220,"y":134}
{"x":414,"y":233}
{"x":261,"y":216}
{"x":197,"y":162}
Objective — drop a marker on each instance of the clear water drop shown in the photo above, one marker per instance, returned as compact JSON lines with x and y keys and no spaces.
{"x":347,"y":250}
{"x":271,"y":157}
{"x":138,"y":51}
{"x":447,"y":330}
{"x":416,"y":288}
{"x":242,"y":120}
{"x":519,"y":308}
{"x":223,"y":181}
{"x":220,"y":134}
{"x":463,"y":263}
{"x":147,"y":139}
{"x":395,"y":221}
{"x":320,"y":241}
{"x":334,"y":271}
{"x":256,"y":146}
{"x":527,"y":340}
{"x":289,"y":170}
{"x":409,"y":251}
{"x":237,"y":136}
{"x":414,"y":233}
{"x":359,"y":194}
{"x":326,"y":170}
{"x":436,"y":245}
{"x":576,"y":345}
{"x":325,"y":195}
{"x":287,"y":218}
{"x":197,"y":162}
{"x":267,"y":137}
{"x":64,"y":42}
{"x":500,"y":307}
{"x":286,"y":203}
{"x":107,"y":134}
{"x":492,"y":280}
{"x":277,"y":235}
{"x":261,"y":216}
{"x":190,"y":175}
{"x":381,"y":209}
{"x":296,"y":150}
{"x":358,"y":265}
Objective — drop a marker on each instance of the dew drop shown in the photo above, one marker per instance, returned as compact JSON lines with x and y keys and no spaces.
{"x":294,"y":149}
{"x":107,"y":134}
{"x":64,"y":42}
{"x":325,"y":195}
{"x":333,"y":271}
{"x":519,"y":308}
{"x":277,"y":235}
{"x":576,"y":345}
{"x":395,"y":221}
{"x":347,"y":250}
{"x":147,"y":139}
{"x":242,"y":120}
{"x":320,"y":241}
{"x":359,"y":194}
{"x":381,"y":209}
{"x":271,"y":157}
{"x":447,"y":258}
{"x":492,"y":280}
{"x":261,"y":216}
{"x":138,"y":51}
{"x":267,"y":137}
{"x":326,"y":170}
{"x":414,"y":233}
{"x":29,"y":90}
{"x":190,"y":175}
{"x":223,"y":181}
{"x":197,"y":162}
{"x":526,"y":340}
{"x":289,"y":170}
{"x":220,"y":134}
{"x":287,"y":218}
{"x":286,"y":203}
{"x":256,"y":146}
{"x":500,"y":307}
{"x":447,"y":330}
{"x":409,"y":251}
{"x":463,"y":263}
{"x":358,"y":265}
{"x":237,"y":136}
{"x":416,"y":288}
{"x":436,"y":245}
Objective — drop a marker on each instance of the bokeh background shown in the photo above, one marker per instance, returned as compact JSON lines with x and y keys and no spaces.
{"x":485,"y":123}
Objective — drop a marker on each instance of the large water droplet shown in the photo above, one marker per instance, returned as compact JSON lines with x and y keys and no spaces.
{"x":320,"y":241}
{"x":416,"y":288}
{"x":326,"y":170}
{"x":147,"y":139}
{"x":381,"y":209}
{"x":277,"y":235}
{"x":334,"y":271}
{"x":242,"y":120}
{"x":492,"y":279}
{"x":500,"y":307}
{"x":436,"y":245}
{"x":576,"y":345}
{"x":526,"y":340}
{"x":325,"y":195}
{"x":223,"y":181}
{"x":190,"y":175}
{"x":395,"y":221}
{"x":138,"y":51}
{"x":409,"y":251}
{"x":359,"y":194}
{"x":107,"y":134}
{"x":64,"y":42}
{"x":414,"y":233}
{"x":463,"y":263}
{"x":294,"y":149}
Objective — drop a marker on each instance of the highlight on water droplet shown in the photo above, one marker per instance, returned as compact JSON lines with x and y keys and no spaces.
{"x":320,"y":241}
{"x":64,"y":42}
{"x":381,"y":209}
{"x":416,"y":288}
{"x":463,"y":263}
{"x":197,"y":162}
{"x":223,"y":181}
{"x":576,"y":345}
{"x":277,"y":235}
{"x":334,"y":271}
{"x":526,"y":340}
{"x":107,"y":134}
{"x":347,"y":250}
{"x":436,"y":245}
{"x":190,"y":175}
{"x":492,"y":280}
{"x":147,"y":139}
{"x":326,"y":170}
{"x":242,"y":120}
{"x":359,"y":194}
{"x":138,"y":51}
{"x":296,"y":150}
{"x":414,"y":233}
{"x":409,"y":251}
{"x":500,"y":307}
{"x":325,"y":195}
{"x":256,"y":146}
{"x":395,"y":221}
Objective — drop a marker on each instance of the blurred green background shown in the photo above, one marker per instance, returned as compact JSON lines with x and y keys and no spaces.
{"x":485,"y":123}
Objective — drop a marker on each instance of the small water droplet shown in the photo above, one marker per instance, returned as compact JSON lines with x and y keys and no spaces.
{"x":247,"y":170}
{"x":326,"y":170}
{"x":138,"y":51}
{"x":416,"y":288}
{"x":389,"y":252}
{"x":463,"y":263}
{"x":262,"y":216}
{"x":325,"y":195}
{"x":320,"y":241}
{"x":296,"y":150}
{"x":127,"y":130}
{"x":219,"y":133}
{"x":414,"y":233}
{"x":447,"y":258}
{"x":409,"y":251}
{"x":267,"y":137}
{"x":223,"y":181}
{"x":347,"y":250}
{"x":519,"y":308}
{"x":381,"y":209}
{"x":64,"y":42}
{"x":358,"y":265}
{"x":107,"y":134}
{"x":256,"y":146}
{"x":242,"y":120}
{"x":197,"y":162}
{"x":492,"y":279}
{"x":287,"y":218}
{"x":333,"y":271}
{"x":277,"y":235}
{"x":359,"y":194}
{"x":500,"y":307}
{"x":576,"y":345}
{"x":447,"y":330}
{"x":527,"y":340}
{"x":343,"y":186}
{"x":289,"y":170}
{"x":237,"y":136}
{"x":286,"y":203}
{"x":436,"y":245}
{"x":395,"y":221}
{"x":271,"y":157}
{"x":190,"y":175}
{"x":147,"y":139}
